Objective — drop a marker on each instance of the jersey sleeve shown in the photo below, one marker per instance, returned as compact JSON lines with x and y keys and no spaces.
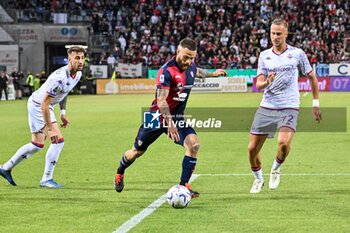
{"x":262,"y":70}
{"x":304,"y":64}
{"x":164,"y":79}
{"x":54,"y":87}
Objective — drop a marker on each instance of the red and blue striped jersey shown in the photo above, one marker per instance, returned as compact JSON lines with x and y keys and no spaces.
{"x":178,"y":82}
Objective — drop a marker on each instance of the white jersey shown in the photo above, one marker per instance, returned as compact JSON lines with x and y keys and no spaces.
{"x":283,"y":92}
{"x":57,"y":85}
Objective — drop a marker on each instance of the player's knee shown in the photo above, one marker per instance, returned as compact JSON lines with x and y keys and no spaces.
{"x":133,"y":154}
{"x":252,"y":149}
{"x":139,"y":153}
{"x":284,"y":146}
{"x":195,"y":147}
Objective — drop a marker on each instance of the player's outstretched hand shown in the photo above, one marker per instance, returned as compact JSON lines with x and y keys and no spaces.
{"x":317,"y":114}
{"x":219,"y":72}
{"x":65,"y":121}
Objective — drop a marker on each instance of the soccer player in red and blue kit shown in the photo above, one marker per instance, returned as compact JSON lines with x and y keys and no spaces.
{"x":174,"y":82}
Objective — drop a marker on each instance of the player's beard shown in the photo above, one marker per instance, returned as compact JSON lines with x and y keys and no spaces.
{"x":184,"y":66}
{"x":78,"y":67}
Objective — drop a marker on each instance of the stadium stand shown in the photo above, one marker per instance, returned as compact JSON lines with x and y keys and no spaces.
{"x":230,"y":34}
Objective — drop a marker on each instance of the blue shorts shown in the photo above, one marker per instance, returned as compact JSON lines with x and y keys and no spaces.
{"x":145,"y":137}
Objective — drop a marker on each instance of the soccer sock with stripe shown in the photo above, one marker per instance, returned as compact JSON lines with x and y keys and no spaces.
{"x":124,"y":163}
{"x":52,"y":156}
{"x":22,"y":153}
{"x":277,"y":163}
{"x":257,"y":173}
{"x":188,"y":166}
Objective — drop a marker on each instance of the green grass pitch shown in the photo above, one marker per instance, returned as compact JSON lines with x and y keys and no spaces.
{"x":103,"y":127}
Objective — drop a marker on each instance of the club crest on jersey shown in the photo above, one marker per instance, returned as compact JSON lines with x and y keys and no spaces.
{"x":178,"y":76}
{"x":139,"y":142}
{"x":161,"y":78}
{"x":192,"y":74}
{"x":290,"y":56}
{"x":268,"y":58}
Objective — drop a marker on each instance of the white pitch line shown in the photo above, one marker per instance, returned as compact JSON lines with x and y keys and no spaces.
{"x":128,"y":225}
{"x":283,"y":174}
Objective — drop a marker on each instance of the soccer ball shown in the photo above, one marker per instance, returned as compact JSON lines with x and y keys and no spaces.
{"x":178,"y":196}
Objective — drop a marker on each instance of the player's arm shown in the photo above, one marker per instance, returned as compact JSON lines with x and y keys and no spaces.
{"x":315,"y":103}
{"x":262,"y":82}
{"x":163,"y":106}
{"x":63,"y":115}
{"x":201,"y":73}
{"x":45,"y":108}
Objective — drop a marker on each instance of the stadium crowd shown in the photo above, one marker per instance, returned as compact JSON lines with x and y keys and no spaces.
{"x":230,"y":33}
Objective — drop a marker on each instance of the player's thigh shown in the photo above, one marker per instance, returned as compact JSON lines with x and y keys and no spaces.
{"x":39,"y":137}
{"x":145,"y":137}
{"x":256,"y":142}
{"x":265,"y":122}
{"x":36,"y":119}
{"x":57,"y":130}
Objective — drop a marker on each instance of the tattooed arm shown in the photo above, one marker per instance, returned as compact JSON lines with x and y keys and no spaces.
{"x":163,"y":106}
{"x":201,"y":73}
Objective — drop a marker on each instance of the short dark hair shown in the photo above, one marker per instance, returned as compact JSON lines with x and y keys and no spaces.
{"x":77,"y":49}
{"x":189,"y":44}
{"x":280,"y":21}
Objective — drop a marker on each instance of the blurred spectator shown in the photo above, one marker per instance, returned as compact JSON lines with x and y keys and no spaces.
{"x":111,"y":63}
{"x":224,"y":30}
{"x":3,"y":84}
{"x":42,"y":77}
{"x":36,"y":84}
{"x":17,"y":78}
{"x":30,"y":82}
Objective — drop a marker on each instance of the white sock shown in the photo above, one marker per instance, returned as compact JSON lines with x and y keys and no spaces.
{"x":258,"y":175}
{"x":277,"y":163}
{"x":22,"y":153}
{"x":52,"y":156}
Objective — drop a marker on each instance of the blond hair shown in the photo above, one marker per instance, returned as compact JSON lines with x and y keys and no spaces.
{"x":280,"y":21}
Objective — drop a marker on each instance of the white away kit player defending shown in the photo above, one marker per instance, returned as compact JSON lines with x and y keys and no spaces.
{"x":42,"y":121}
{"x":278,"y":71}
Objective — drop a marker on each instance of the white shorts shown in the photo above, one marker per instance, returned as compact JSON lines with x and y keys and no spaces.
{"x":267,"y":121}
{"x":35,"y":116}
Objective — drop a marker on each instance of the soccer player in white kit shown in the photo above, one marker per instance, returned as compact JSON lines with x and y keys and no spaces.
{"x":42,"y":121}
{"x":278,"y":71}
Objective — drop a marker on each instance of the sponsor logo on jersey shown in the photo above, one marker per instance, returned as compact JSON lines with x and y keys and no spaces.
{"x":181,"y":96}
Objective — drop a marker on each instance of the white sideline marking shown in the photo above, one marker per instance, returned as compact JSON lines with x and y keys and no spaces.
{"x":128,"y":225}
{"x":283,"y":174}
{"x":305,"y":94}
